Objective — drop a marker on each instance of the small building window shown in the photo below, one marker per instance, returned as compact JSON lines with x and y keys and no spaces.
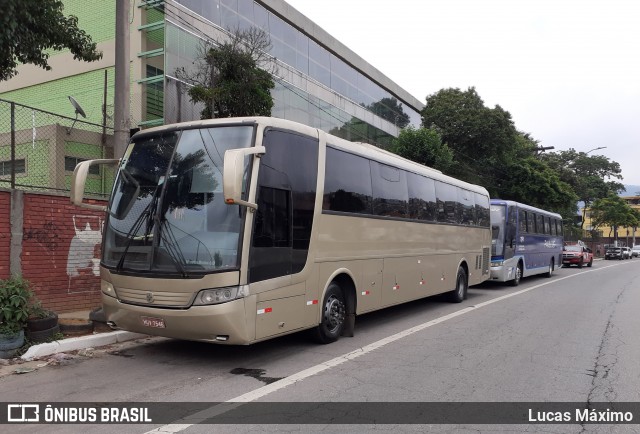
{"x":5,"y":167}
{"x":70,"y":164}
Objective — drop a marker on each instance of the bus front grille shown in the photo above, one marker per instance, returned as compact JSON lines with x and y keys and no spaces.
{"x":154,"y":298}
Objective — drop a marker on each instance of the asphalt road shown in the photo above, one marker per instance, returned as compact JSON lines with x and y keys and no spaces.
{"x":571,"y":338}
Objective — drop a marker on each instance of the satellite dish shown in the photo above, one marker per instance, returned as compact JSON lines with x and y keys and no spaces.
{"x":76,"y":106}
{"x":79,"y":111}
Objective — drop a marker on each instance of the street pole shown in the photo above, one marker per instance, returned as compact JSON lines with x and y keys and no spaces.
{"x":121,"y":110}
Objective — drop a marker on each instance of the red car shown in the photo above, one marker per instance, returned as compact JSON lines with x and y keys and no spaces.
{"x":577,"y":255}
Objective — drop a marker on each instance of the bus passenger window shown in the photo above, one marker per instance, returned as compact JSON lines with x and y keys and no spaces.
{"x":522,"y":221}
{"x":390,"y":194}
{"x":447,"y":199}
{"x":422,"y":197}
{"x":347,"y":185}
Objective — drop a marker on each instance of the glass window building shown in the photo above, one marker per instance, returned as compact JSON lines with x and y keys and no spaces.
{"x":319,"y":81}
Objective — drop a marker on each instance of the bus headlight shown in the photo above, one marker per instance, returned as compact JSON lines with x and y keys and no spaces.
{"x":219,"y":295}
{"x":107,"y":289}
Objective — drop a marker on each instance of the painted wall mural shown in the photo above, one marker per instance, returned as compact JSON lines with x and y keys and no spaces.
{"x":84,"y":248}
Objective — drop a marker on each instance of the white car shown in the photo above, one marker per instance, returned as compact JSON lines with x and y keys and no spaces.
{"x":635,"y":251}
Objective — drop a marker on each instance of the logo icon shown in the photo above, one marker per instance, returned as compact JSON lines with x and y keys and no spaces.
{"x":150,"y":297}
{"x":23,"y":413}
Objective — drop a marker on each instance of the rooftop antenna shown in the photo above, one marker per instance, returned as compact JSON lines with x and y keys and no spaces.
{"x":79,"y":111}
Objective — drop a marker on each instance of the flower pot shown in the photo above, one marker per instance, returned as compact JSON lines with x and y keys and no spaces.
{"x":75,"y":326}
{"x":42,"y":335}
{"x":9,"y":344}
{"x":39,"y":324}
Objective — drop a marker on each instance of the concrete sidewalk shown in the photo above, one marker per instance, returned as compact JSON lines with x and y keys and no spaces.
{"x":79,"y":343}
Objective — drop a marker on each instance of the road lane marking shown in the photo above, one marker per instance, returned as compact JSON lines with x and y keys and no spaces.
{"x":263,"y":391}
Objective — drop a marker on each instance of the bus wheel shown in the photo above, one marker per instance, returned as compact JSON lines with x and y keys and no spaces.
{"x":518,"y":276}
{"x":550,"y":272}
{"x":460,"y":292}
{"x":333,"y":316}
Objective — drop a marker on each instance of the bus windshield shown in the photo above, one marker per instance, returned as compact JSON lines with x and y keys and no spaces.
{"x":498,"y":221}
{"x":167,"y":212}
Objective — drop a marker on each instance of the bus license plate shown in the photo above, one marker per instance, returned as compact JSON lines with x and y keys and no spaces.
{"x":152,"y":322}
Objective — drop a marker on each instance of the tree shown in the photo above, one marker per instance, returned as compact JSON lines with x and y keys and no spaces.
{"x":228,"y":79}
{"x":482,"y":138}
{"x":532,"y":182}
{"x":589,"y":176}
{"x":424,"y":146}
{"x":28,"y":28}
{"x":614,"y":212}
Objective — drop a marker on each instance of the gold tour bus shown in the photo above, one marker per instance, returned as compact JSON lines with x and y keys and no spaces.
{"x":239,"y":230}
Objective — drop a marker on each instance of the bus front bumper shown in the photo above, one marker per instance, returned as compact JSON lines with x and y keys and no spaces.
{"x":502,"y":273}
{"x":221,"y":323}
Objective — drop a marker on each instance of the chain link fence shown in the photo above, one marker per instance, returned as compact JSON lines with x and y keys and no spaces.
{"x":39,"y":150}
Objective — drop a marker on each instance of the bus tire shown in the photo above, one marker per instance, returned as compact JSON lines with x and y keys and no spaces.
{"x":551,"y":265}
{"x":460,"y":291}
{"x":333,"y":317}
{"x":518,"y":276}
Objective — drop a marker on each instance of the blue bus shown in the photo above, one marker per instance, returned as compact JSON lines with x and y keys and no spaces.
{"x":525,"y":241}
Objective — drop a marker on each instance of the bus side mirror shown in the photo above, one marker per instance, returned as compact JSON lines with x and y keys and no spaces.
{"x":79,"y":179}
{"x":233,"y":174}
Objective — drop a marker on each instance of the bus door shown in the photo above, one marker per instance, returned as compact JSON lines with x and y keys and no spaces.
{"x":282,"y":230}
{"x":511,"y":241}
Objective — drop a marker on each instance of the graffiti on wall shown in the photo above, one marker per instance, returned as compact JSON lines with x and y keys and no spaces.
{"x":84,"y":249}
{"x":47,"y":236}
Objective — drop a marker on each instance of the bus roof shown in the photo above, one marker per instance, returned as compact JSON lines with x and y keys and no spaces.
{"x":524,"y":206}
{"x":359,"y":148}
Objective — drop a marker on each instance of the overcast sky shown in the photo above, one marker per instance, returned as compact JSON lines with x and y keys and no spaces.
{"x":568,"y":71}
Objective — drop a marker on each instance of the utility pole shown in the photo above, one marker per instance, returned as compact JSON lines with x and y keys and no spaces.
{"x":121,"y":109}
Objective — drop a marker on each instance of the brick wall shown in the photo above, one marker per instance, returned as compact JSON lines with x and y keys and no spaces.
{"x":60,"y":252}
{"x":5,"y":233}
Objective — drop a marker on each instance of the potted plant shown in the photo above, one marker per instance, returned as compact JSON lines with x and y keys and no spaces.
{"x":42,"y":324}
{"x":14,"y":311}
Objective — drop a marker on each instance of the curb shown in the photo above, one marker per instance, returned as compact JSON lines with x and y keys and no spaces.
{"x":81,"y":342}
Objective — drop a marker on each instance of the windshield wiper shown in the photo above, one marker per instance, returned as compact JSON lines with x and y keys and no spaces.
{"x":172,"y":246}
{"x":145,"y":216}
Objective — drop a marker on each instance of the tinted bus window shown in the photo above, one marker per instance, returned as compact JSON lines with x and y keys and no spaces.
{"x":467,"y":207}
{"x":539,"y":224}
{"x":347,"y":184}
{"x":447,"y":200}
{"x":422,"y":197}
{"x":286,"y":198}
{"x":482,"y":210}
{"x":522,"y":221}
{"x":531,"y":222}
{"x":390,"y":194}
{"x":547,"y":225}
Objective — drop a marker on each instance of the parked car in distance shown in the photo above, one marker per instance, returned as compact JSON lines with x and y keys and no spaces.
{"x":614,"y":253}
{"x":577,"y":255}
{"x":635,"y":251}
{"x":626,"y":252}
